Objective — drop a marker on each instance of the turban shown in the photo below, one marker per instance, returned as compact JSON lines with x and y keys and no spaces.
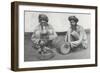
{"x":43,"y":17}
{"x":73,"y":18}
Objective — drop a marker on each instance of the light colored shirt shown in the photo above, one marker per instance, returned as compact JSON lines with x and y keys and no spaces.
{"x":77,"y":36}
{"x":38,"y":31}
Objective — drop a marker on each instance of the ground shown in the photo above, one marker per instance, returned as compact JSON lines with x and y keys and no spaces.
{"x":30,"y":54}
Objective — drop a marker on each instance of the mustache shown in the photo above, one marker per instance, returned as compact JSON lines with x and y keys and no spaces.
{"x":44,"y":24}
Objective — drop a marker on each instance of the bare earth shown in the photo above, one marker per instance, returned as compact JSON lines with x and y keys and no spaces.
{"x":30,"y":54}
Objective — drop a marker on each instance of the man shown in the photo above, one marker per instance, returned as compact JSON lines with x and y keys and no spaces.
{"x":76,"y":35}
{"x":43,"y":34}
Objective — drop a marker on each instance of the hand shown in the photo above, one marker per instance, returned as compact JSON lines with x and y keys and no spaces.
{"x":42,"y":42}
{"x":74,"y":44}
{"x":36,"y":41}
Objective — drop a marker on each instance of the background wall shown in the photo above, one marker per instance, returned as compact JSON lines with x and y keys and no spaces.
{"x":5,"y":37}
{"x":59,"y":21}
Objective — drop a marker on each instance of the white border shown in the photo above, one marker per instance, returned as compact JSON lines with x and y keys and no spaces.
{"x":23,"y":64}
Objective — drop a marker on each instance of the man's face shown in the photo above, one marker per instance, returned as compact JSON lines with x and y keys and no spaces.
{"x":72,"y":22}
{"x":43,"y":23}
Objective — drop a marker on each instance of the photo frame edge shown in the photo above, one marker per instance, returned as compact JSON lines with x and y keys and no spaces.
{"x":14,"y":36}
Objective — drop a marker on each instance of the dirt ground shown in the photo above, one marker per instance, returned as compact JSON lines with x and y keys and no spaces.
{"x":30,"y":54}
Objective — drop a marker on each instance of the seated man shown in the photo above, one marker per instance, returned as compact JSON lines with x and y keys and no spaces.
{"x":43,"y":33}
{"x":76,"y":35}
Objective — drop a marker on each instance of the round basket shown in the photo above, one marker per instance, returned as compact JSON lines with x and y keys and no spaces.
{"x":61,"y":46}
{"x":64,"y":49}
